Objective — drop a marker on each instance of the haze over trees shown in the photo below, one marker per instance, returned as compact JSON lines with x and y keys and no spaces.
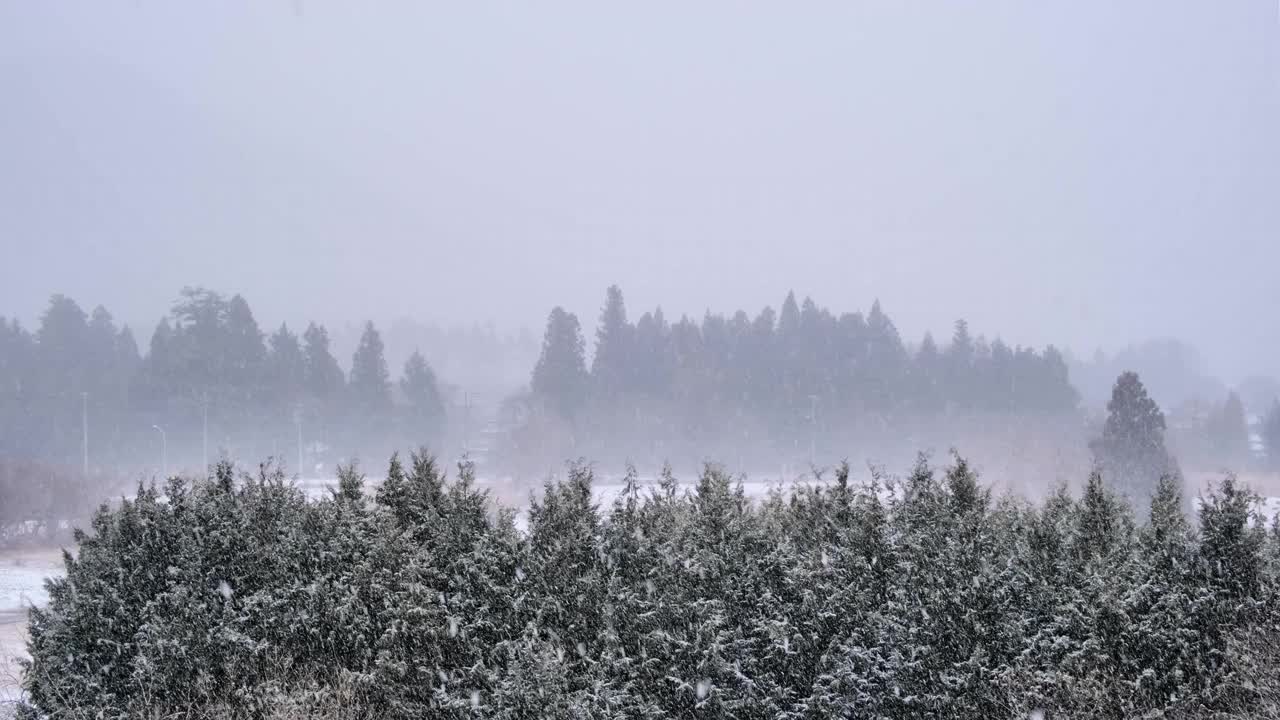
{"x":207,"y":358}
{"x":779,"y":380}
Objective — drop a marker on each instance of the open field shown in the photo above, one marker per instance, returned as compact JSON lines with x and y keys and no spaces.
{"x":22,"y":574}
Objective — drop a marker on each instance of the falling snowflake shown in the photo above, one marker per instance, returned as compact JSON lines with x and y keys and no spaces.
{"x":475,"y":699}
{"x":453,"y":627}
{"x":704,"y":688}
{"x":224,"y":589}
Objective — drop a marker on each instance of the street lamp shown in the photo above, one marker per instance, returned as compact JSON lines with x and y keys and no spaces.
{"x":164,"y":451}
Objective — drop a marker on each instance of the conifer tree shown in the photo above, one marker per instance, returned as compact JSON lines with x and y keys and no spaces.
{"x":1131,"y":451}
{"x":323,"y":378}
{"x":370,"y":385}
{"x":560,"y":377}
{"x":611,"y":364}
{"x":419,"y":388}
{"x":243,"y":347}
{"x":1271,"y":434}
{"x":286,"y":368}
{"x":1230,"y":432}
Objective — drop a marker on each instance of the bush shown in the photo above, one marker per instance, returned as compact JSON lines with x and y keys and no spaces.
{"x":924,"y":597}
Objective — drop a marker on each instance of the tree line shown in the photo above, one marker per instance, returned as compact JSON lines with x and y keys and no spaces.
{"x":782,"y":375}
{"x":923,"y":596}
{"x":207,"y":361}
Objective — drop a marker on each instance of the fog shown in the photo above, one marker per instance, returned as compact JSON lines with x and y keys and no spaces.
{"x":1086,"y":174}
{"x":577,"y":359}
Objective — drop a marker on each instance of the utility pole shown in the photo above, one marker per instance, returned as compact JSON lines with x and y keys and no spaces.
{"x":466,"y":422}
{"x":84,"y":430}
{"x":164,"y":452}
{"x":813,"y":428}
{"x":204,"y":434}
{"x":297,"y":419}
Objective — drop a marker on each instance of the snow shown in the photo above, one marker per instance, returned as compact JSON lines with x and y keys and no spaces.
{"x":22,"y":577}
{"x":21,"y":586}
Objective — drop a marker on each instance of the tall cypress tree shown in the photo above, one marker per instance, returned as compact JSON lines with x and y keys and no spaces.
{"x":1231,"y":432}
{"x":885,"y":361}
{"x":426,"y":406}
{"x":370,"y":380}
{"x":958,"y":383}
{"x":1131,"y":451}
{"x":244,"y":349}
{"x":560,"y":377}
{"x":1271,"y":434}
{"x":610,"y":367}
{"x":286,"y":369}
{"x":927,"y":382}
{"x":323,"y":377}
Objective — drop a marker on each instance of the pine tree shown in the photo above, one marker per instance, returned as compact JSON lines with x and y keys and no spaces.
{"x":1157,"y":650}
{"x":652,"y":359}
{"x":1230,"y":432}
{"x":198,"y":349}
{"x":565,"y":551}
{"x":322,"y":376}
{"x":1131,"y":451}
{"x":927,"y":377}
{"x":370,"y":384}
{"x":885,"y":364}
{"x":560,"y":377}
{"x":611,"y":370}
{"x":285,"y":373}
{"x":243,"y":349}
{"x":426,"y":406}
{"x":959,"y":387}
{"x":1271,"y":434}
{"x":63,"y":346}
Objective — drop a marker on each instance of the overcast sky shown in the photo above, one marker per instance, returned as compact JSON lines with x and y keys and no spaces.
{"x":1084,"y":173}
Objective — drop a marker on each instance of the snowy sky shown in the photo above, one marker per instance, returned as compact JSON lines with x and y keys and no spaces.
{"x":1087,"y":173}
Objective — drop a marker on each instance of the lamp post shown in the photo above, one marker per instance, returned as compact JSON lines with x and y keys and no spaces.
{"x":164,"y":451}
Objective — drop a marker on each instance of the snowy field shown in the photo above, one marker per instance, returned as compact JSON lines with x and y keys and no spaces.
{"x":22,"y":575}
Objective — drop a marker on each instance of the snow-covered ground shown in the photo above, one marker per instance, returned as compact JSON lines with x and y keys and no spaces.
{"x":22,"y":575}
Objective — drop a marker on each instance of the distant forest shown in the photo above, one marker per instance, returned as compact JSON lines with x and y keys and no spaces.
{"x":780,"y":380}
{"x":207,"y":360}
{"x":789,"y":384}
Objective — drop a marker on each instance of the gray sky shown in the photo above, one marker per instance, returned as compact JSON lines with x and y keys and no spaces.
{"x":1086,"y":173}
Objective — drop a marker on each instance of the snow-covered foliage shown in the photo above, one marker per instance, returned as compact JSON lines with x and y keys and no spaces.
{"x":920,"y":597}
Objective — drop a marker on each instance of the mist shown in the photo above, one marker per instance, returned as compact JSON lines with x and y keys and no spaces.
{"x":571,"y":359}
{"x":1090,"y":176}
